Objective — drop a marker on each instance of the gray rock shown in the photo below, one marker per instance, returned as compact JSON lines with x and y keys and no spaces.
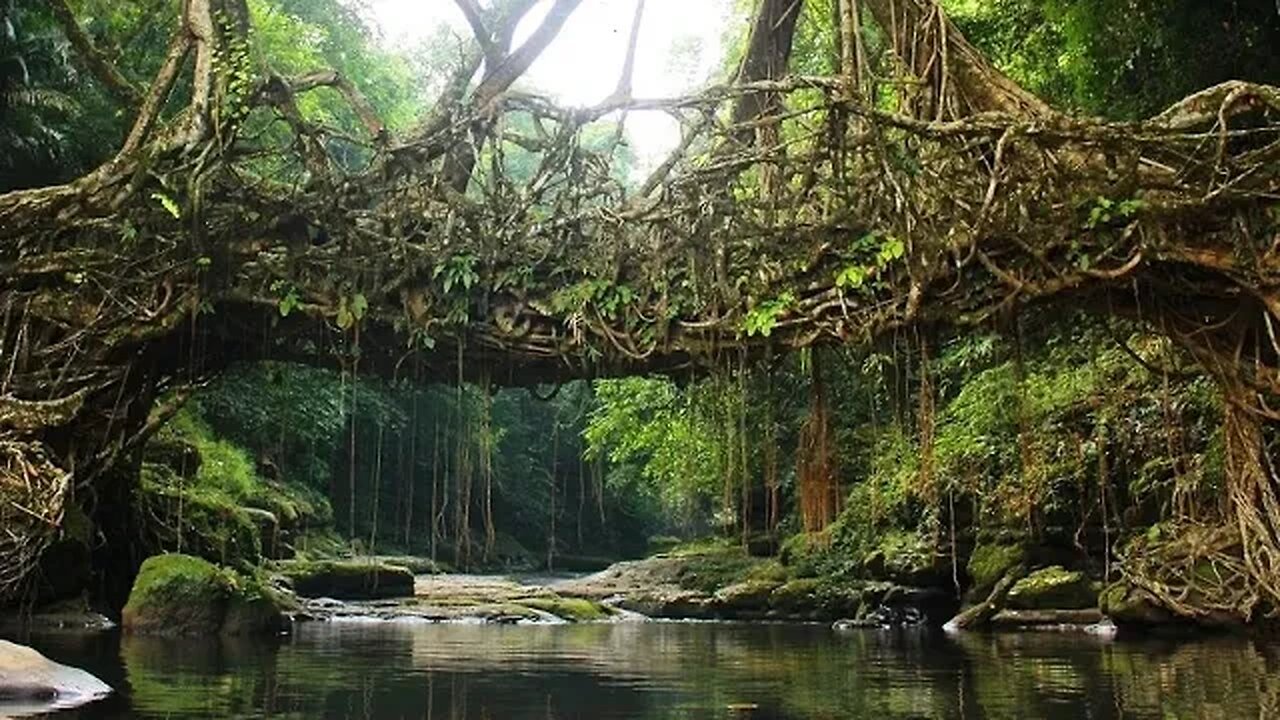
{"x":31,"y":683}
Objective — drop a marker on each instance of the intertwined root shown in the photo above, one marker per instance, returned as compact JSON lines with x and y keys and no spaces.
{"x":1228,"y":567}
{"x":32,"y":497}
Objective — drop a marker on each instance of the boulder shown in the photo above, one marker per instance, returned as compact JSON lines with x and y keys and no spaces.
{"x":1053,"y":588}
{"x":673,"y":604}
{"x":349,"y":580}
{"x":32,"y":683}
{"x":184,"y":595}
{"x":795,"y":597}
{"x":1128,"y":605}
{"x":751,"y":596}
{"x":819,"y":599}
{"x":905,"y":559}
{"x":991,"y":561}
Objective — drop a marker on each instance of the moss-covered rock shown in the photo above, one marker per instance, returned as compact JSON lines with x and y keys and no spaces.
{"x":185,"y":595}
{"x":711,"y":569}
{"x":1128,"y":605}
{"x":803,"y":553}
{"x":1053,"y":588}
{"x":745,"y":597}
{"x":415,"y":564}
{"x":178,"y":595}
{"x":818,"y":599}
{"x":254,"y":609}
{"x":795,"y":596}
{"x":571,"y":609}
{"x":907,"y":558}
{"x":990,"y":562}
{"x":349,"y":580}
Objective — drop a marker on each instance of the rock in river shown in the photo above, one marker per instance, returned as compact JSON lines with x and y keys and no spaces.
{"x":30,"y":683}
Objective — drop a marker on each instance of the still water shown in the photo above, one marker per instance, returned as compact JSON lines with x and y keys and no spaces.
{"x":670,"y":671}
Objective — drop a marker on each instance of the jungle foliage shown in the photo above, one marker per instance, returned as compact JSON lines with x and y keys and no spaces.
{"x":1082,"y":433}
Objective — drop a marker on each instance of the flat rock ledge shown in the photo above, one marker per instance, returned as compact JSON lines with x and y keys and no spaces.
{"x":32,"y":684}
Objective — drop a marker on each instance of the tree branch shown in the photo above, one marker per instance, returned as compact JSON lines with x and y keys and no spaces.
{"x":97,"y":62}
{"x":623,"y":91}
{"x":484,"y":38}
{"x":499,"y":78}
{"x":336,"y":80}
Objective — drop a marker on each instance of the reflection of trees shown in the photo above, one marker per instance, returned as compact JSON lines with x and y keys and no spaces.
{"x":182,"y":677}
{"x":665,"y":671}
{"x":1031,"y":675}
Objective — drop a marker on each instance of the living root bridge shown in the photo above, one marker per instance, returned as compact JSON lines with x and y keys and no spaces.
{"x":498,"y":238}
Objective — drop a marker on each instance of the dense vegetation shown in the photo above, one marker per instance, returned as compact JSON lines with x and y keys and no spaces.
{"x":1077,"y":435}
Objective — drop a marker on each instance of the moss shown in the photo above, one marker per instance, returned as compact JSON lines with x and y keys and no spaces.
{"x":708,"y":573}
{"x":1053,"y":588}
{"x":571,"y":609}
{"x":224,"y":467}
{"x":416,"y":565}
{"x":771,"y":570}
{"x":184,"y":595}
{"x":904,"y":557}
{"x":348,"y":580}
{"x":174,"y":451}
{"x":818,"y":598}
{"x":254,"y":609}
{"x":803,"y":553}
{"x":178,"y":595}
{"x":990,"y":562}
{"x":1128,"y":605}
{"x":662,"y":544}
{"x":205,"y":523}
{"x":706,"y":546}
{"x":320,"y":544}
{"x":205,"y":497}
{"x":746,"y":596}
{"x":795,"y":595}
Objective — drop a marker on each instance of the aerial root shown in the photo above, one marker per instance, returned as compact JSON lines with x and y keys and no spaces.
{"x":32,"y":499}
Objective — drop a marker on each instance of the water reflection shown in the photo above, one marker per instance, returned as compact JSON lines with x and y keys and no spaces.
{"x":660,"y":671}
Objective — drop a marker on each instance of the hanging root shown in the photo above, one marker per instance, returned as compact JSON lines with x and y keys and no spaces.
{"x":1228,"y":569}
{"x":1252,"y":486}
{"x":32,"y":497}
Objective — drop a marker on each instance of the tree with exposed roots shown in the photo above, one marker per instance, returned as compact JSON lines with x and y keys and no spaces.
{"x":796,"y":211}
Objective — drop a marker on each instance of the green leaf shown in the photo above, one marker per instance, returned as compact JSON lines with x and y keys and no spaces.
{"x":851,"y":278}
{"x":892,"y":249}
{"x":359,"y":306}
{"x":289,"y":302}
{"x":168,"y":203}
{"x":763,"y":318}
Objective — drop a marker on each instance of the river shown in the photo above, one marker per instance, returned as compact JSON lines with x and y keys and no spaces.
{"x":669,"y":671}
